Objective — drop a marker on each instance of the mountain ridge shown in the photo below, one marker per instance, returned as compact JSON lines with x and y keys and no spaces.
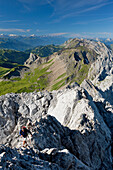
{"x":72,"y":63}
{"x":72,"y":128}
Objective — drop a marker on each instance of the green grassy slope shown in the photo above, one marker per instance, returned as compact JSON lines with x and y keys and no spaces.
{"x":36,"y":80}
{"x":10,"y":59}
{"x":3,"y":71}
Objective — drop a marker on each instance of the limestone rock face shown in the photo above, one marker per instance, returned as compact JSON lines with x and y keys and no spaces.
{"x":32,"y":58}
{"x":82,"y":113}
{"x":35,"y":60}
{"x":69,"y":130}
{"x":101,"y":71}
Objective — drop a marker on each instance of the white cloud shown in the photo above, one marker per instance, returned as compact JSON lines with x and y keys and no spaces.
{"x":75,"y":35}
{"x":13,"y":30}
{"x":92,"y":35}
{"x":11,"y":21}
{"x":72,"y":8}
{"x":28,"y":30}
{"x":91,"y":21}
{"x":95,"y":7}
{"x":58,"y":34}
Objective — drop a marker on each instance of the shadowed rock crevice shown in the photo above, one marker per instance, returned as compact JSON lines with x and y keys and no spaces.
{"x":76,"y":56}
{"x":48,"y":145}
{"x":85,"y":58}
{"x":103,"y":75}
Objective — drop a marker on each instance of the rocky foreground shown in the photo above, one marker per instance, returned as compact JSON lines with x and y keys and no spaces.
{"x":72,"y":128}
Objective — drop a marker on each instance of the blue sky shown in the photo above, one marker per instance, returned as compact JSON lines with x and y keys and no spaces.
{"x":71,"y":18}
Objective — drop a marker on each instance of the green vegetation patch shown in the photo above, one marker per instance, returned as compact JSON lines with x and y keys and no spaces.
{"x":61,"y":76}
{"x":3,"y":71}
{"x":81,"y":74}
{"x":36,"y":80}
{"x":49,"y":61}
{"x":7,"y":64}
{"x":14,"y":72}
{"x":59,"y":84}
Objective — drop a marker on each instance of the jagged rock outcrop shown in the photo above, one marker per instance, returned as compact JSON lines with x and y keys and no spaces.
{"x":35,"y":60}
{"x":31,"y":59}
{"x":78,"y":137}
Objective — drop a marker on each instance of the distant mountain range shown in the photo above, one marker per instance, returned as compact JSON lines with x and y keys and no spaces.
{"x":22,"y":43}
{"x":44,"y":51}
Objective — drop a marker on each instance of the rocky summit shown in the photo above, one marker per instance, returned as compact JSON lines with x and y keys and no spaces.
{"x":72,"y":128}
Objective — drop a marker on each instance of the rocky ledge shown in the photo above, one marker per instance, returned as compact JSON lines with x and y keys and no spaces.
{"x":71,"y":130}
